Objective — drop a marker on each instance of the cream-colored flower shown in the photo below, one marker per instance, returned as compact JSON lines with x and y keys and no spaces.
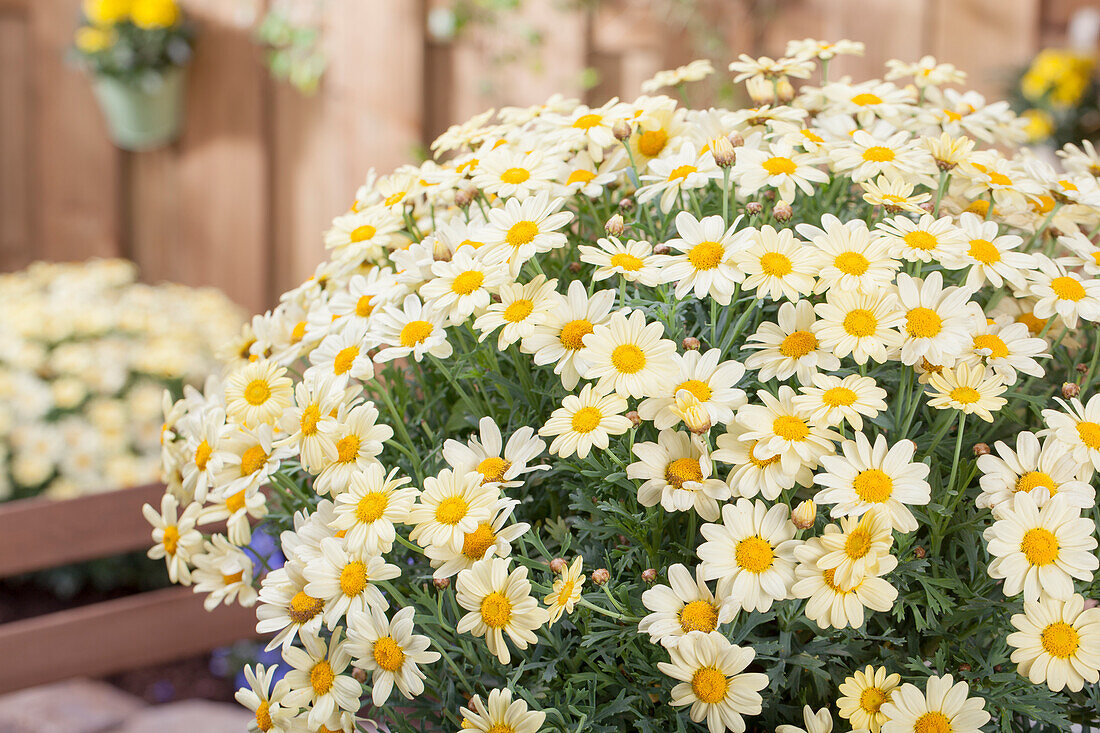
{"x":789,"y":347}
{"x":501,"y":713}
{"x":863,"y":695}
{"x":686,"y":604}
{"x":258,"y":393}
{"x":969,"y":390}
{"x":832,"y":400}
{"x":584,"y":421}
{"x":776,"y":265}
{"x":677,"y":475}
{"x":1078,"y":428}
{"x":1057,"y":642}
{"x":317,"y":678}
{"x":559,"y":339}
{"x":626,"y":354}
{"x":451,"y":506}
{"x":390,"y":651}
{"x":371,"y":507}
{"x":566,"y":591}
{"x":1042,"y":471}
{"x":499,"y":602}
{"x":943,"y":706}
{"x":706,"y":265}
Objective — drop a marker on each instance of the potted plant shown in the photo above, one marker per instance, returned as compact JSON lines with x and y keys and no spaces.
{"x":136,"y":52}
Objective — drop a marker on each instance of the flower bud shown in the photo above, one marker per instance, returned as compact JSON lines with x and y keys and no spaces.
{"x":574,"y":267}
{"x":804,"y":514}
{"x":981,"y":449}
{"x":615,"y":225}
{"x":755,"y":208}
{"x":690,"y":344}
{"x":558,"y":565}
{"x":760,"y":90}
{"x":360,"y":675}
{"x":920,"y":552}
{"x":626,"y":204}
{"x":735,"y":139}
{"x":634,"y":418}
{"x":786,"y":89}
{"x":465,"y":196}
{"x":782,"y":211}
{"x":964,"y":667}
{"x":689,"y":409}
{"x":600,"y":576}
{"x":1070,"y":390}
{"x":928,"y":207}
{"x":441,"y":583}
{"x":649,"y":575}
{"x":661,"y":249}
{"x":1082,"y":368}
{"x":621,"y":130}
{"x":722,"y":150}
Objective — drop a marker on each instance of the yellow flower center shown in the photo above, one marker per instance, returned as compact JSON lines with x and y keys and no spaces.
{"x":202,"y":455}
{"x":852,"y":263}
{"x":573,"y":333}
{"x":1089,"y":433}
{"x":709,"y":684}
{"x":353,"y":578}
{"x":923,"y":323}
{"x":999,"y":179}
{"x":263,"y":716}
{"x":1035,"y":479}
{"x":515,"y":175}
{"x":235,"y":502}
{"x":997,"y":347}
{"x":587,"y":121}
{"x":921,"y":240}
{"x":521,"y":233}
{"x":860,"y":323}
{"x":699,"y":616}
{"x":518,"y":310}
{"x":682,"y":171}
{"x":371,"y":507}
{"x":866,"y":98}
{"x":1060,"y":640}
{"x":321,"y":678}
{"x":475,"y":543}
{"x":1039,"y":546}
{"x":311,"y":415}
{"x":628,"y":359}
{"x":362,"y":233}
{"x":498,"y":728}
{"x":776,"y":264}
{"x":1066,"y":288}
{"x":652,"y":142}
{"x":171,"y":539}
{"x":858,"y":544}
{"x":984,"y":251}
{"x":252,"y":460}
{"x":298,"y":332}
{"x":344,"y":359}
{"x":415,"y":332}
{"x":754,"y":554}
{"x":798,"y":344}
{"x":394,"y":198}
{"x":467,"y":282}
{"x":493,"y":469}
{"x":586,"y":419}
{"x":681,"y":470}
{"x":304,"y":607}
{"x":451,"y":510}
{"x":580,"y":176}
{"x":496,"y":610}
{"x":363,"y":306}
{"x":932,"y":722}
{"x":626,"y":261}
{"x":231,"y":578}
{"x":347,"y":448}
{"x":878,"y":154}
{"x":871,"y":699}
{"x":701,"y":390}
{"x":565,"y":593}
{"x":761,"y":463}
{"x":388,"y":654}
{"x":838,"y":397}
{"x":790,"y":427}
{"x":873,"y":486}
{"x":965,"y":395}
{"x":706,"y":255}
{"x":257,"y":392}
{"x":779,"y":166}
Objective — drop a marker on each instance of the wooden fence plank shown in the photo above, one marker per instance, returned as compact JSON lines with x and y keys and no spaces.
{"x":112,"y":636}
{"x":42,"y":533}
{"x":15,"y":68}
{"x":989,"y":39}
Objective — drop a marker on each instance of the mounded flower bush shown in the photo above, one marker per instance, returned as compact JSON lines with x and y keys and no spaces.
{"x":643,"y":417}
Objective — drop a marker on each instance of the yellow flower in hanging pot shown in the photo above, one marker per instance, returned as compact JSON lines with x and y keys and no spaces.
{"x":149,"y":14}
{"x":107,"y":12}
{"x":90,"y":39}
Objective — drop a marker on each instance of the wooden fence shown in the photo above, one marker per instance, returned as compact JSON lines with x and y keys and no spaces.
{"x":240,"y":201}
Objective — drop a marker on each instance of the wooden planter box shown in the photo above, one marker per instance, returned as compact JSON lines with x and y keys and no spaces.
{"x":111,"y":636}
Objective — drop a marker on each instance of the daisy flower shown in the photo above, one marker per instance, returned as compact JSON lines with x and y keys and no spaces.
{"x":865,"y":477}
{"x":832,"y":604}
{"x":938,"y":320}
{"x":511,"y":173}
{"x":344,"y":354}
{"x":368,"y":232}
{"x":969,"y":390}
{"x":237,"y":512}
{"x":463,"y":285}
{"x":686,"y":604}
{"x":521,"y":308}
{"x":695,"y":71}
{"x":711,"y":679}
{"x":746,"y":67}
{"x":925,"y":240}
{"x":317,"y":679}
{"x":633,"y":261}
{"x":686,"y":169}
{"x":751,"y":552}
{"x":1042,"y":471}
{"x":518,"y":231}
{"x":258,"y":393}
{"x":832,"y":400}
{"x":413,"y":329}
{"x":863,"y":695}
{"x":174,"y":536}
{"x":754,"y":472}
{"x":1005,"y":349}
{"x":789,"y":346}
{"x":560,"y":338}
{"x":1082,"y":252}
{"x":823,"y":50}
{"x":945,"y":706}
{"x":499,"y":713}
{"x":346,"y":581}
{"x":706,"y":265}
{"x":628,"y":355}
{"x":201,"y":446}
{"x":855,"y":548}
{"x":777,"y":165}
{"x":709,"y":380}
{"x":776,"y":265}
{"x":566,"y":591}
{"x":1062,"y":292}
{"x":224,"y":572}
{"x":491,"y":539}
{"x":894,"y":194}
{"x":864,"y":326}
{"x":285,"y":609}
{"x":390,"y":651}
{"x":819,"y":722}
{"x":866,"y":156}
{"x":847,"y":257}
{"x":1057,"y":642}
{"x":358,"y":437}
{"x":989,"y":255}
{"x":487,"y":454}
{"x":499,"y":603}
{"x":1040,"y":551}
{"x":308,"y":424}
{"x":265,"y":700}
{"x":451,"y":506}
{"x":677,"y":475}
{"x":248,"y":457}
{"x":782,"y":430}
{"x":1078,"y":428}
{"x":585,"y":420}
{"x":370,"y":507}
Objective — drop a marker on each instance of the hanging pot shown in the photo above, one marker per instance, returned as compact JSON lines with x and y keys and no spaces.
{"x":142,"y":116}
